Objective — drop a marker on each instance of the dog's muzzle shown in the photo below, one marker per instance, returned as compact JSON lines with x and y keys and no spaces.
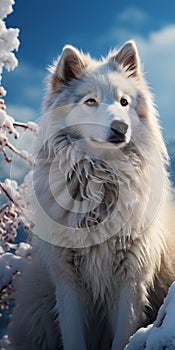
{"x":118,"y":132}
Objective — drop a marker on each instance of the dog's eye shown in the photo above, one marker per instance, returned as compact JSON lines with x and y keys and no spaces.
{"x":123,"y":102}
{"x":91,"y":102}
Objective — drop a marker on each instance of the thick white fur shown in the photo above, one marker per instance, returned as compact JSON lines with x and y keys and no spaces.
{"x":95,"y":279}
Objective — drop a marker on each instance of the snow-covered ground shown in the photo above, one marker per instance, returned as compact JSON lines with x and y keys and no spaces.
{"x":161,"y":334}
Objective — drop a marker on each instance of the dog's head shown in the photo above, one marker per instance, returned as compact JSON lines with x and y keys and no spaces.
{"x":105,"y":102}
{"x":110,"y":173}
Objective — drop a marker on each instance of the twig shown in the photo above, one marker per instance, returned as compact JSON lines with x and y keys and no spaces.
{"x":15,"y":151}
{"x":4,"y":207}
{"x":7,"y":158}
{"x":8,"y":196}
{"x":22,"y":125}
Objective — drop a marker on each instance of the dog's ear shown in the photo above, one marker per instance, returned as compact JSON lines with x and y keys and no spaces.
{"x":128,"y":59}
{"x":69,"y":66}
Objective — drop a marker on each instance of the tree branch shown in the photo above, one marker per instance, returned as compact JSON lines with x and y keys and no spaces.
{"x":8,"y":196}
{"x":15,"y":151}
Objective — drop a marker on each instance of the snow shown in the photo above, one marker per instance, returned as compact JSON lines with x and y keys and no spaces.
{"x":11,"y":188}
{"x":6,"y":8}
{"x":9,"y":264}
{"x":32,"y":126}
{"x":24,"y":249}
{"x":5,"y":344}
{"x":2,"y":91}
{"x":161,"y":334}
{"x":8,"y":39}
{"x":8,"y":42}
{"x":7,"y":122}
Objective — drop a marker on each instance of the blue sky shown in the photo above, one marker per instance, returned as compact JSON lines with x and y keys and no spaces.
{"x":94,"y":26}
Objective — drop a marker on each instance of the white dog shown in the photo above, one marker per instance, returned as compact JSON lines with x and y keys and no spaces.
{"x":104,"y":233}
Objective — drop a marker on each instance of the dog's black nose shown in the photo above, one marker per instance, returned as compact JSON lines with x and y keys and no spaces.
{"x":119,"y":127}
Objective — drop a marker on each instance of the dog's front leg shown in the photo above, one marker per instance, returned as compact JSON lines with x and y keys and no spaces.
{"x":124,"y":318}
{"x":70,"y":316}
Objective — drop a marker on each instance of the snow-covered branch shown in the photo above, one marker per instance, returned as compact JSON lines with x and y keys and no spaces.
{"x":8,"y":126}
{"x":8,"y":40}
{"x":12,"y":197}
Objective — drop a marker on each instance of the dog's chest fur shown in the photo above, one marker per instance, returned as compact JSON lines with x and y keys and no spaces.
{"x":119,"y":252}
{"x":101,"y":270}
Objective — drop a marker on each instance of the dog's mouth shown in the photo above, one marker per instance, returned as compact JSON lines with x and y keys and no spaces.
{"x":117,"y":138}
{"x":116,"y":141}
{"x":109,"y":140}
{"x":102,"y":145}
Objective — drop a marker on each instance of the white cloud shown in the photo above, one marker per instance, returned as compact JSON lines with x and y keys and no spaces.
{"x":31,"y":79}
{"x":27,"y":72}
{"x":158,"y":54}
{"x":124,"y":26}
{"x":27,"y":83}
{"x":132,"y":14}
{"x":33,"y":92}
{"x":22,"y":113}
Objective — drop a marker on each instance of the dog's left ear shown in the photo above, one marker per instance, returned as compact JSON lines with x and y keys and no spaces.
{"x":70,"y":64}
{"x":128,"y":59}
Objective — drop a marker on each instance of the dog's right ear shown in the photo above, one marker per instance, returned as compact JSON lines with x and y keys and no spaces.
{"x":128,"y":59}
{"x":69,"y":66}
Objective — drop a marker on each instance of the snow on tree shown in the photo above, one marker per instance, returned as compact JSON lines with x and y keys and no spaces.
{"x":12,"y":197}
